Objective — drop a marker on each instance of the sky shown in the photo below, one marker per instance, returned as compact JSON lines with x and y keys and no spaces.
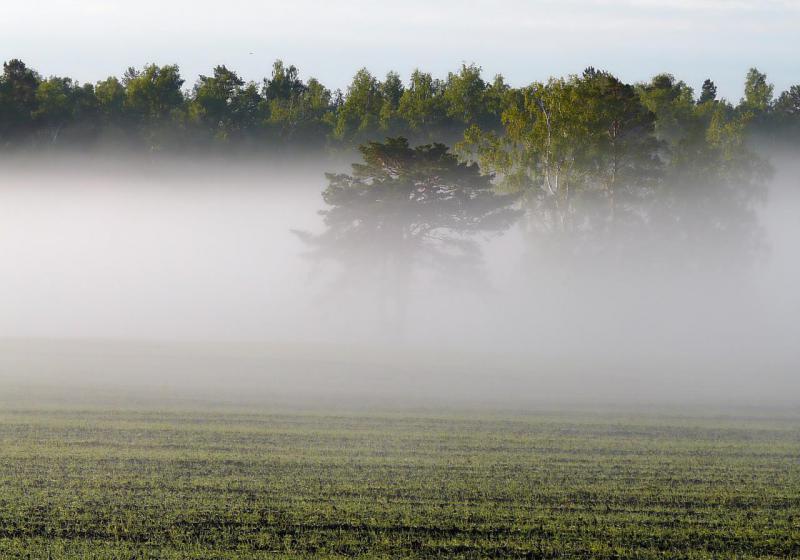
{"x":525,"y":40}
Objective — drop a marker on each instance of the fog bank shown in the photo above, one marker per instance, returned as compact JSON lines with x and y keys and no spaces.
{"x":187,"y":277}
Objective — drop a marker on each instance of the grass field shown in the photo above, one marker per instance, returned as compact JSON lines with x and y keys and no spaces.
{"x":94,"y":484}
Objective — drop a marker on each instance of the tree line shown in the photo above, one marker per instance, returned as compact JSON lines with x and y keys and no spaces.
{"x":152,"y":108}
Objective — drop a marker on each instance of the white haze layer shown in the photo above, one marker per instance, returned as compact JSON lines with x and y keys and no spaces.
{"x":184,"y":277}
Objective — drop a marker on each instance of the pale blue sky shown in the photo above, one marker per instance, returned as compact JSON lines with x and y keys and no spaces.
{"x":524,"y":40}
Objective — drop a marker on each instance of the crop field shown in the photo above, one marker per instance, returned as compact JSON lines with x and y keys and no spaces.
{"x":228,"y":484}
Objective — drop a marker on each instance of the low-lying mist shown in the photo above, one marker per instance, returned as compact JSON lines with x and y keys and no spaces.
{"x":222,"y":279}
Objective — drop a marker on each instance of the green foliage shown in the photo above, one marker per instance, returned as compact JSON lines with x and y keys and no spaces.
{"x":216,"y":102}
{"x":360,"y":114}
{"x":789,"y":102}
{"x":154,"y":104}
{"x":284,"y":84}
{"x":785,"y":120}
{"x":54,"y":104}
{"x":596,"y":158}
{"x":154,"y":94}
{"x":498,"y":97}
{"x":422,"y":105}
{"x":392,"y":90}
{"x":149,"y":108}
{"x":672,"y":103}
{"x":298,"y":113}
{"x":708,"y":92}
{"x":570,"y":141}
{"x":18,"y":87}
{"x":464,"y":94}
{"x":110,"y":94}
{"x":757,"y":92}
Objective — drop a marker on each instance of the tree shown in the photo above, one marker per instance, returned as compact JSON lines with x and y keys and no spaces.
{"x":789,"y":102}
{"x":404,"y":207}
{"x":672,"y":103}
{"x":154,"y":93}
{"x":708,"y":92}
{"x":65,"y":106}
{"x":213,"y":101}
{"x":18,"y":86}
{"x":285,"y":82}
{"x":55,"y":105}
{"x":705,"y":208}
{"x":225,"y":106}
{"x":391,"y":92}
{"x":110,"y":94}
{"x":297,"y":112}
{"x":245,"y":111}
{"x":359,"y":116}
{"x":757,"y":92}
{"x":318,"y":113}
{"x":573,"y":146}
{"x":622,"y":151}
{"x":785,"y":118}
{"x":422,"y":105}
{"x":154,"y":101}
{"x":464,"y":94}
{"x":498,"y":97}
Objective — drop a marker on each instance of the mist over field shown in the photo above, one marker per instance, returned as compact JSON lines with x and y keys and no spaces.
{"x":482,"y":279}
{"x":193,"y":277}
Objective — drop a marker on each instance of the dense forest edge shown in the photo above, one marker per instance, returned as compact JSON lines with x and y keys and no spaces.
{"x":153,"y":109}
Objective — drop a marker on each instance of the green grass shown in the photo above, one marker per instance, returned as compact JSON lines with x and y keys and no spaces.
{"x":91,"y":484}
